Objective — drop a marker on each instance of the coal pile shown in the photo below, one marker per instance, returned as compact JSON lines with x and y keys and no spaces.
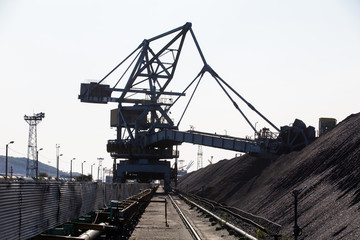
{"x":329,"y":168}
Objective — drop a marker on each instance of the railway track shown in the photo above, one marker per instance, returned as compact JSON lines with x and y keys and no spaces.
{"x":205,"y":224}
{"x":188,"y":225}
{"x":240,"y":223}
{"x":148,"y":215}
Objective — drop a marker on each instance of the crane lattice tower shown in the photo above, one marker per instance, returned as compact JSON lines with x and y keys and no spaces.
{"x":33,"y":121}
{"x":199,"y":158}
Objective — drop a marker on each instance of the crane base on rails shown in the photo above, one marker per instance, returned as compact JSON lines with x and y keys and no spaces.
{"x":147,"y":136}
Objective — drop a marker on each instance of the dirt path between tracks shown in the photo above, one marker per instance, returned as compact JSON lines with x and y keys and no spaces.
{"x":328,"y":208}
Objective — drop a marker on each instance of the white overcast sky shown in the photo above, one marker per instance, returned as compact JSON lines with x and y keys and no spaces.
{"x":290,"y":59}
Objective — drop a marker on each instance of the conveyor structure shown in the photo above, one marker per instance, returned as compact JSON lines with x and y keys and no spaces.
{"x":146,"y":135}
{"x":206,"y":139}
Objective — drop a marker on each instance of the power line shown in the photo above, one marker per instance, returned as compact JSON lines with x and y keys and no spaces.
{"x":23,"y":154}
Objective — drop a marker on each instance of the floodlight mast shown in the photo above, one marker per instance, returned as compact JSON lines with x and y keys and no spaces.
{"x":33,"y":121}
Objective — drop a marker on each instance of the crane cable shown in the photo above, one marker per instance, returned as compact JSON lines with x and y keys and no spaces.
{"x":201,"y":74}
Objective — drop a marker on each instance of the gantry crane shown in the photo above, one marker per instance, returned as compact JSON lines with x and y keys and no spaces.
{"x":146,"y":135}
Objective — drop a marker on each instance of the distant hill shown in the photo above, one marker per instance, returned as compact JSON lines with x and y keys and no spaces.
{"x":19,"y":167}
{"x":329,"y":168}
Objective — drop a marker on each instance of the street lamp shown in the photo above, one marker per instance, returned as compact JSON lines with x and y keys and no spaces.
{"x":99,"y":168}
{"x":37,"y":163}
{"x":104,"y":170}
{"x":71,"y":169}
{"x":57,"y":161}
{"x":92,"y":171}
{"x":6,"y":168}
{"x":57,"y":171}
{"x":48,"y":169}
{"x":82,"y":170}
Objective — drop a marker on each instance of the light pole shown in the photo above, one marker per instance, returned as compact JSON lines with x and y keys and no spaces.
{"x":48,"y":169}
{"x":57,"y":161}
{"x":37,"y":163}
{"x":71,"y":169}
{"x":58,"y":166}
{"x":104,"y":169}
{"x":6,"y":168}
{"x":99,"y":167}
{"x":92,"y":171}
{"x":297,"y":230}
{"x":82,"y":170}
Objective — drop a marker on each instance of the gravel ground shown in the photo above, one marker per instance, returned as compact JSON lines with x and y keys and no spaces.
{"x":328,"y":208}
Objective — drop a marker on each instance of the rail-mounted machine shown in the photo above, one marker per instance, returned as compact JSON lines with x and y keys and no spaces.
{"x":147,"y":137}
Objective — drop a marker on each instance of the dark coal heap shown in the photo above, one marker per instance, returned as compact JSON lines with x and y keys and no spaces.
{"x":329,"y":168}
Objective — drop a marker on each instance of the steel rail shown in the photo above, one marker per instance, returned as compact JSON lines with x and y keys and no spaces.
{"x":267,"y":226}
{"x":233,"y":227}
{"x":184,"y":219}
